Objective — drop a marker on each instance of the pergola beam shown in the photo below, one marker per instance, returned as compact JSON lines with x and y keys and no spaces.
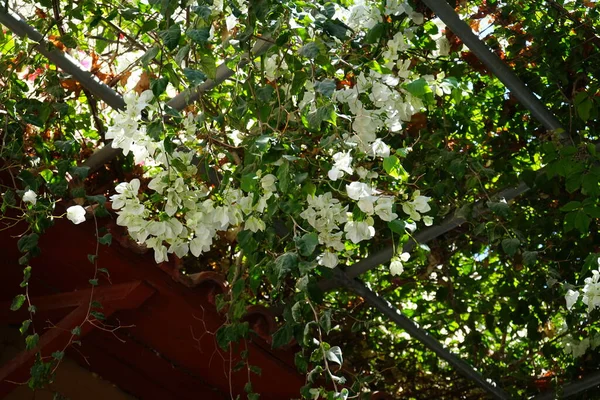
{"x":418,"y":333}
{"x":107,"y":94}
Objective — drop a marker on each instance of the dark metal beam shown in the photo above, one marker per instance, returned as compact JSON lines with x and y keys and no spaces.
{"x":589,"y":382}
{"x":62,"y":60}
{"x":107,"y":94}
{"x":418,"y":333}
{"x":460,"y":28}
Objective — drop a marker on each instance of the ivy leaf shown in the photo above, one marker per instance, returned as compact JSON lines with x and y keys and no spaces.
{"x":307,"y":243}
{"x":106,"y":239}
{"x":149,"y":55}
{"x":208,"y":65}
{"x":199,"y":36}
{"x":510,"y":246}
{"x":309,"y":50}
{"x":334,"y":354}
{"x":17,"y":302}
{"x":193,"y":76}
{"x":28,"y":242}
{"x":282,"y":336}
{"x":393,"y":167}
{"x":284,"y":264}
{"x":171,"y":36}
{"x":326,"y":87}
{"x":32,"y":341}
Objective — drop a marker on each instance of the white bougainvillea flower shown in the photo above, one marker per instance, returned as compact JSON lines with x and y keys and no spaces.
{"x":383,"y":209}
{"x":380,"y":149}
{"x":357,"y":231}
{"x":328,"y":259}
{"x":591,"y":291}
{"x":342,"y":164}
{"x":268,"y":183}
{"x":358,"y":190}
{"x":571,"y":297}
{"x":76,"y":214}
{"x":255,"y":224}
{"x":30,"y":197}
{"x":396,"y":266}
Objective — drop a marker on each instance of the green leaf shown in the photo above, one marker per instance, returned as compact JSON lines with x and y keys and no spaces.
{"x":149,"y":55}
{"x":171,"y":36}
{"x":418,"y":87}
{"x":18,"y":302}
{"x":159,"y":86}
{"x":309,"y":50}
{"x":106,"y":239}
{"x":510,"y":246}
{"x":32,"y":341}
{"x":93,"y":282}
{"x":249,"y":183}
{"x":393,"y":167}
{"x":397,"y":226}
{"x":199,"y":36}
{"x":92,"y":258}
{"x":283,"y":176}
{"x":25,"y":326}
{"x":582,"y":222}
{"x":208,"y":65}
{"x":334,"y":354}
{"x":76,"y":331}
{"x":26,"y":276}
{"x":571,"y":206}
{"x":193,"y":76}
{"x":282,"y":336}
{"x":500,"y":208}
{"x":325,"y":321}
{"x":58,"y":355}
{"x":301,"y":363}
{"x":181,"y":55}
{"x":325,"y":87}
{"x":529,"y":257}
{"x":28,"y":242}
{"x":307,"y":243}
{"x":284,"y":264}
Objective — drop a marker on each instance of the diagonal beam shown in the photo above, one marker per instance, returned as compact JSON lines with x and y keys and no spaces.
{"x":460,"y":28}
{"x":107,"y":94}
{"x":123,"y":296}
{"x":61,"y":59}
{"x":420,"y":334}
{"x":588,"y":382}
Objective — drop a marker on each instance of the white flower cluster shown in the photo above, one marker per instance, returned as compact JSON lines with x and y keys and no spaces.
{"x":325,"y":214}
{"x":126,"y":131}
{"x":578,"y":348}
{"x":590,"y":292}
{"x":191,"y":213}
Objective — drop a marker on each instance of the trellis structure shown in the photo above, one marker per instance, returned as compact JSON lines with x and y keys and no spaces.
{"x":347,"y":277}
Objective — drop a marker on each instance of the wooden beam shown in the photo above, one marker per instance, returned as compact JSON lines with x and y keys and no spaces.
{"x":124,"y":296}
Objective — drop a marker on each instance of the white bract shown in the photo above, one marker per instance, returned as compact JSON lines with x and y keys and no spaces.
{"x":30,"y":197}
{"x":76,"y":214}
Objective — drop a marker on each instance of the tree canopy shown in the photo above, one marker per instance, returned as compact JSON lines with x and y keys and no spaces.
{"x":275,"y":140}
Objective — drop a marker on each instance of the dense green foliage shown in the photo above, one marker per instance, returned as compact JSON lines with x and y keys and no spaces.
{"x":492,"y":290}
